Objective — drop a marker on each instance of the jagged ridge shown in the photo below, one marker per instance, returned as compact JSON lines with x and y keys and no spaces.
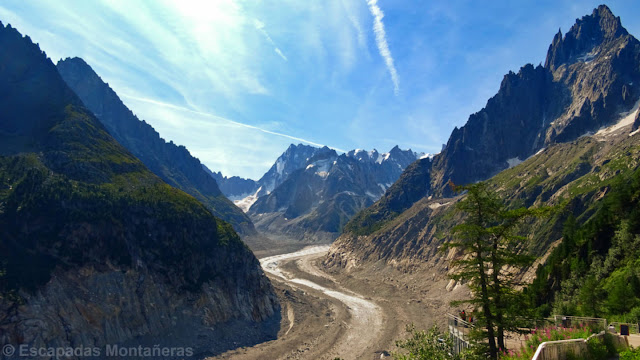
{"x":590,"y":76}
{"x":317,"y":199}
{"x":172,"y":163}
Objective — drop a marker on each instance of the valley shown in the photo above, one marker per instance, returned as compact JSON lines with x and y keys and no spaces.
{"x":526,"y":219}
{"x":329,"y":315}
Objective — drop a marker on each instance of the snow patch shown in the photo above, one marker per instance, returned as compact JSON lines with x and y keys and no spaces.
{"x":310,"y":166}
{"x":587,"y":134}
{"x":279,"y":166}
{"x":426,"y":155}
{"x":588,"y":57}
{"x":513,"y":162}
{"x":438,"y":204}
{"x":371,"y":195}
{"x":245,"y":204}
{"x":626,"y":119}
{"x":383,"y":157}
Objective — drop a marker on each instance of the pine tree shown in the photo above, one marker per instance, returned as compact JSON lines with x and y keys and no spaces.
{"x":490,"y":245}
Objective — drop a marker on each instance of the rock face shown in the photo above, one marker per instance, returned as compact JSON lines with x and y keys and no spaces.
{"x":172,"y":163}
{"x":234,"y":187}
{"x":591,"y":75}
{"x":94,"y":248}
{"x":245,"y":192}
{"x":318,"y":198}
{"x":294,"y":158}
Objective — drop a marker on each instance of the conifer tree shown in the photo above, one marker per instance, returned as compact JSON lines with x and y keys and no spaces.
{"x":491,"y":250}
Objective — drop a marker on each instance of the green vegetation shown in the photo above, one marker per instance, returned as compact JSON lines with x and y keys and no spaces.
{"x":86,"y":201}
{"x":49,"y":220}
{"x":488,"y":239}
{"x":631,"y":354}
{"x":398,"y":198}
{"x":540,"y":335}
{"x":424,"y":345}
{"x":595,"y":271}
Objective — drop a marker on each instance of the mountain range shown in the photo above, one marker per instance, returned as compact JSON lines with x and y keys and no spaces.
{"x":553,"y":134}
{"x":310,"y":193}
{"x":96,"y":249}
{"x":111,"y":235}
{"x":246,"y":191}
{"x":354,"y":182}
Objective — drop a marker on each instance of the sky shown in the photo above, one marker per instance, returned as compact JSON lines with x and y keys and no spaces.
{"x":237,"y":81}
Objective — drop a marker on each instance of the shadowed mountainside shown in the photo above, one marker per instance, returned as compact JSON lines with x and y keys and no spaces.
{"x":172,"y":163}
{"x":94,"y":248}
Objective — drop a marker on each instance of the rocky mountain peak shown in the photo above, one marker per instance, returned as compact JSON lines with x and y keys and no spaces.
{"x":396,"y":150}
{"x":316,"y":200}
{"x":584,"y":36}
{"x":294,"y":158}
{"x":323,"y":154}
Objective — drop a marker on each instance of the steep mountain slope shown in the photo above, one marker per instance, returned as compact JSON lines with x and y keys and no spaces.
{"x":94,"y":248}
{"x":575,"y":176}
{"x":316,"y":200}
{"x":590,"y":76}
{"x":294,"y":158}
{"x":405,"y":228}
{"x":172,"y":163}
{"x":595,"y":270}
{"x":244,"y":192}
{"x":234,"y":187}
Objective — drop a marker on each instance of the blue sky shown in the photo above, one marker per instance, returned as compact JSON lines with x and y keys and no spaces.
{"x":237,"y":81}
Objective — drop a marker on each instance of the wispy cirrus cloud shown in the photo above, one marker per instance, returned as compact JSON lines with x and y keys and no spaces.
{"x":259,"y":25}
{"x":383,"y":45}
{"x":210,"y":57}
{"x":226,"y":120}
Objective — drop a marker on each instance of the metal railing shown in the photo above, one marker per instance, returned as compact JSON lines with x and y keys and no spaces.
{"x":633,"y":328}
{"x":459,"y":331}
{"x":559,"y":349}
{"x":572,"y":321}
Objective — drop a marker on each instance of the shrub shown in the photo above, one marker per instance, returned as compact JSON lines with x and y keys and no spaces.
{"x":424,"y":345}
{"x":540,"y":335}
{"x":631,"y":354}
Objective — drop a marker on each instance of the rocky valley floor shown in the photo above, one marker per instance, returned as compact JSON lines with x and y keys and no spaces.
{"x":358,"y":315}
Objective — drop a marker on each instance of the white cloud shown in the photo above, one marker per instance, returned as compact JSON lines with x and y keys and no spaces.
{"x":178,"y":63}
{"x":355,"y":22}
{"x":381,"y":41}
{"x":259,"y":25}
{"x":223,"y":119}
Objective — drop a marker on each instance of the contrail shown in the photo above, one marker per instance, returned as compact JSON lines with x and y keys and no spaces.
{"x":180,"y":108}
{"x":259,"y":25}
{"x":381,"y":41}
